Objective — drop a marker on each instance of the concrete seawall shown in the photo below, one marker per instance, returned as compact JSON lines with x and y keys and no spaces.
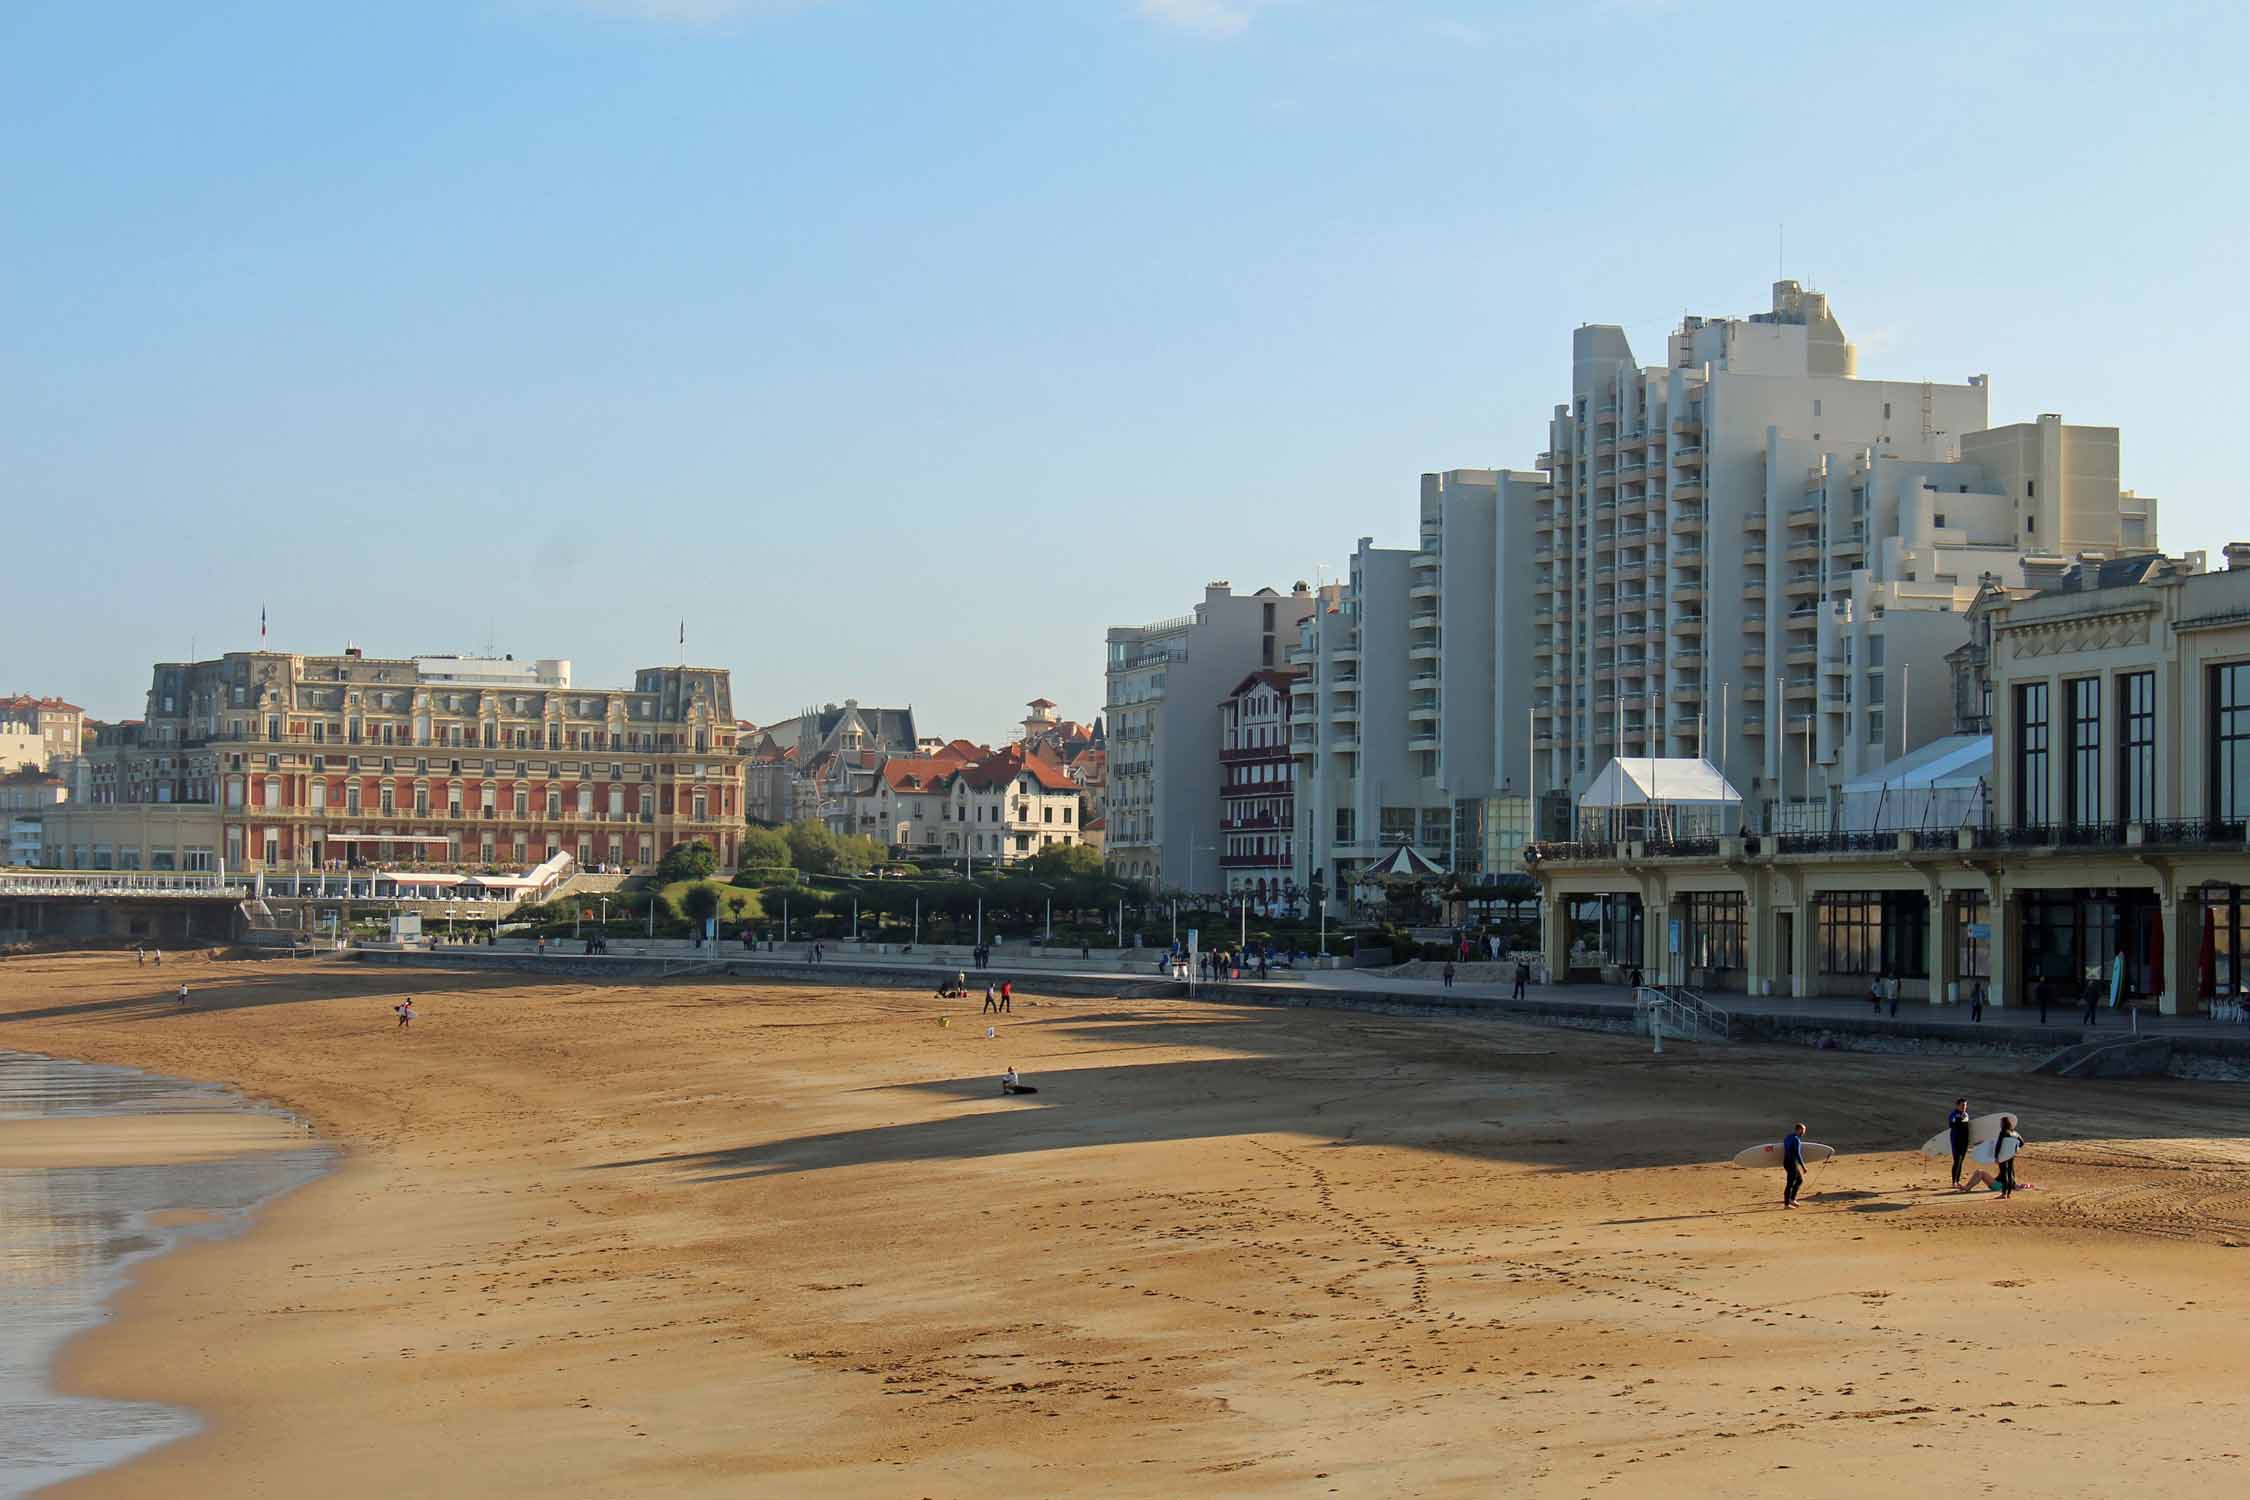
{"x":2206,"y":1057}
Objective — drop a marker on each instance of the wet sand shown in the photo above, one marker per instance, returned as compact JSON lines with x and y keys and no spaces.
{"x":707,"y":1238}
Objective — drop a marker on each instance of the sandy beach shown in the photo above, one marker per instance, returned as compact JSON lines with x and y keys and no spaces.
{"x":710,"y":1238}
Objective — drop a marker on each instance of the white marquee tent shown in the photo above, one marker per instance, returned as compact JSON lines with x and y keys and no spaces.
{"x":1939,"y":785}
{"x":1652,"y":792}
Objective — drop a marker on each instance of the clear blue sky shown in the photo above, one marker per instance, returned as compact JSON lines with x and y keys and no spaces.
{"x":902,"y":347}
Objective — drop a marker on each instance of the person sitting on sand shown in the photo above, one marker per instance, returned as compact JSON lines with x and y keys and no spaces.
{"x":1011,"y":1082}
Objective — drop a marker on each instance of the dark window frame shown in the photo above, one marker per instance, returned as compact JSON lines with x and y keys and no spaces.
{"x":2136,"y":747}
{"x":2082,"y":759}
{"x":2034,"y":750}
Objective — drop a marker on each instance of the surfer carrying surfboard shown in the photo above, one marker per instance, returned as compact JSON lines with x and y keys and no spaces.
{"x":1957,"y":1130}
{"x":2004,"y":1151}
{"x":1793,"y":1163}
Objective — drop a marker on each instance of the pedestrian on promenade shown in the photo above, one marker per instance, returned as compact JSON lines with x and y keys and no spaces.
{"x":1449,"y":973}
{"x":1976,"y":1001}
{"x":1957,"y":1136}
{"x":2093,"y":998}
{"x":1523,"y":977}
{"x":183,"y":995}
{"x":1891,"y":983}
{"x":1875,"y":994}
{"x":1792,"y":1164}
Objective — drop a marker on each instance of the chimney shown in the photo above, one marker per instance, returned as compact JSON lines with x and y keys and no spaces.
{"x":2237,"y":555}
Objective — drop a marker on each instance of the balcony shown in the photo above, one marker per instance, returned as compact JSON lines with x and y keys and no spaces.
{"x":1422,"y":713}
{"x":1687,"y":456}
{"x":1427,"y":652}
{"x":1801,"y":656}
{"x":1687,"y":488}
{"x":1422,"y":742}
{"x":1687,"y":519}
{"x":1428,"y":557}
{"x":1687,"y":625}
{"x":1424,"y":591}
{"x":1754,"y":521}
{"x":1422,"y":620}
{"x":1754,"y":689}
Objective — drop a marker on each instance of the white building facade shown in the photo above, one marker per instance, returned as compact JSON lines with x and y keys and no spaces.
{"x":1755,"y":555}
{"x":1163,"y":681}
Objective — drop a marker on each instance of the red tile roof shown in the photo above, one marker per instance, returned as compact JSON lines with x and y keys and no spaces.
{"x":23,"y":702}
{"x":999,"y":769}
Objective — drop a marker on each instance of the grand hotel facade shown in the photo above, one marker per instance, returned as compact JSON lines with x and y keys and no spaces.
{"x":261,"y":760}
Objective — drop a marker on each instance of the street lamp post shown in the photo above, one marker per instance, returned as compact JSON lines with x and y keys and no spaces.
{"x":1319,"y":893}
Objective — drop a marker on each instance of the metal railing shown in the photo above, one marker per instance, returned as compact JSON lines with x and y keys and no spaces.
{"x":1682,"y":1012}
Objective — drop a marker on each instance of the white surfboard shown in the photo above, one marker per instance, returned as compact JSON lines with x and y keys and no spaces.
{"x":1769,"y":1155}
{"x":1982,"y":1130}
{"x":1985,"y":1155}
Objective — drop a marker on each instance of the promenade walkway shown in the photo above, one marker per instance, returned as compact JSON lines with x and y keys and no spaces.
{"x":1374,"y":986}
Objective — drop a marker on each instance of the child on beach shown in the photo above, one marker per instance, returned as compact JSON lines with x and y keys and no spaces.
{"x":405,"y":1011}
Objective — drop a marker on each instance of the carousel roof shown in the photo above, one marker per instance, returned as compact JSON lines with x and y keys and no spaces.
{"x":1403,"y":863}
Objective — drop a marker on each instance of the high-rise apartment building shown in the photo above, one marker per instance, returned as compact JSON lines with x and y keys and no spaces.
{"x":1749,"y":548}
{"x":1164,"y":681}
{"x":1417,"y":684}
{"x":292,"y":762}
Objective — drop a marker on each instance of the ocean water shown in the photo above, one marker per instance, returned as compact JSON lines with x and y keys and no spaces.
{"x":70,"y":1237}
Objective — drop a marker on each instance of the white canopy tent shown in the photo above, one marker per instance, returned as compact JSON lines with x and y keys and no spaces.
{"x":1943,"y":784}
{"x":1650,"y":793}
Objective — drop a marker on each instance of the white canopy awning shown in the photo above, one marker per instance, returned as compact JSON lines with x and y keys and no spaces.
{"x":1643,"y":782}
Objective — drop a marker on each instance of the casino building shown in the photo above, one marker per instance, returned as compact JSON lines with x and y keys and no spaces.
{"x":2114,"y":821}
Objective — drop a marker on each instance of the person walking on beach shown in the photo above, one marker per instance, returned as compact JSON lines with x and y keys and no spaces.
{"x":1523,"y":977}
{"x":1957,"y":1136}
{"x":1793,"y":1164}
{"x":991,"y":997}
{"x":1007,"y":997}
{"x":2004,"y":1152}
{"x":183,"y":995}
{"x":140,"y":955}
{"x":405,"y":1010}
